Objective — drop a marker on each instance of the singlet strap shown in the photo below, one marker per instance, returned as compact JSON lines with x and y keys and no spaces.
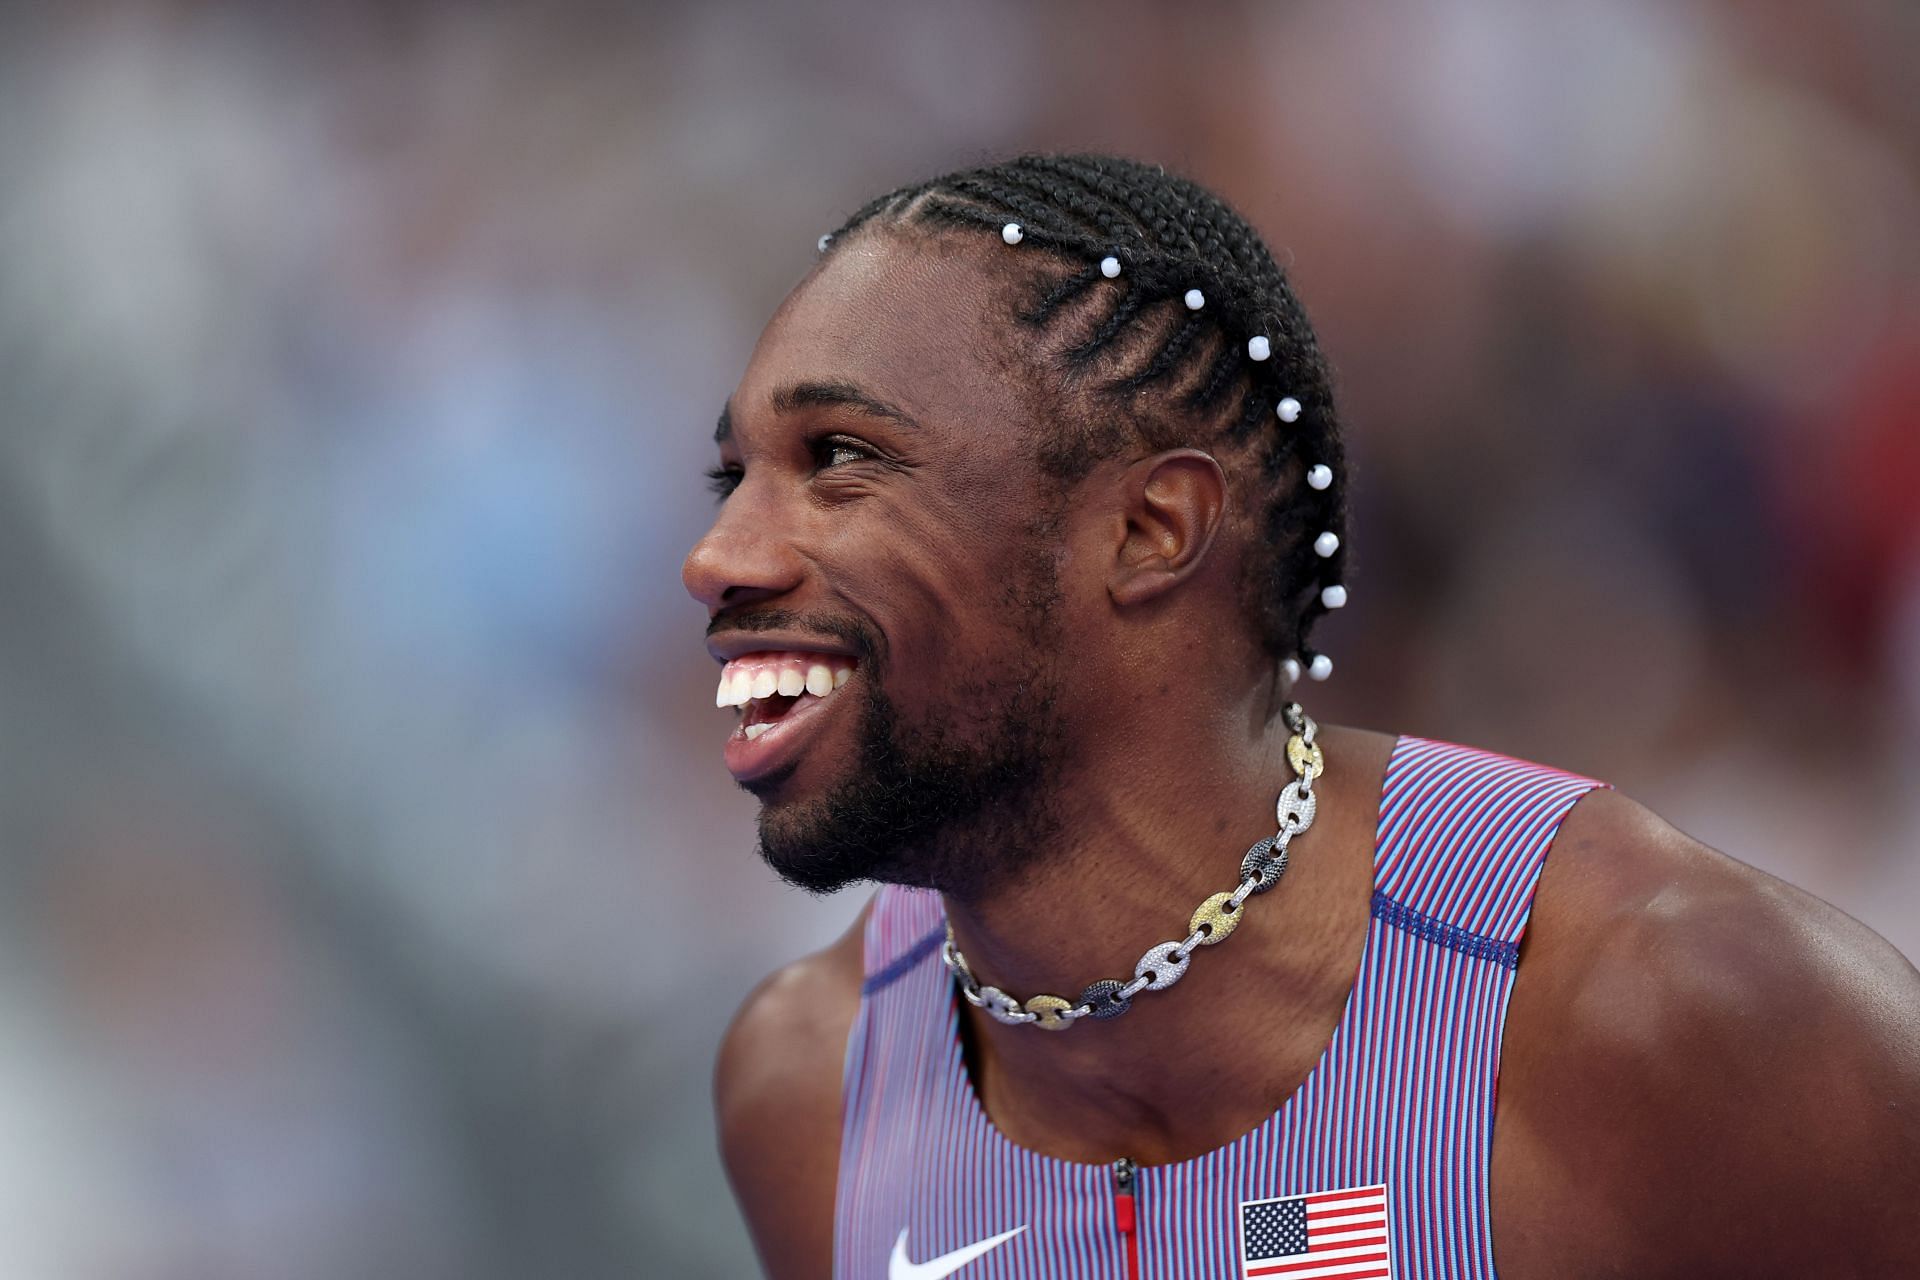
{"x":1463,"y":836}
{"x":904,"y":927}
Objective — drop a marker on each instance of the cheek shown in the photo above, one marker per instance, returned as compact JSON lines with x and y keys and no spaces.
{"x":947,"y":580}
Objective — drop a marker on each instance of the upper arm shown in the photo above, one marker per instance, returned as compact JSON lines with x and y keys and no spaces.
{"x":1819,"y":1043}
{"x":1793,"y":1074}
{"x":776,"y":1089}
{"x":1718,"y":1066}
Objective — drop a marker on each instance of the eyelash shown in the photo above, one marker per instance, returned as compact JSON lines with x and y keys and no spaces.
{"x":723,"y":480}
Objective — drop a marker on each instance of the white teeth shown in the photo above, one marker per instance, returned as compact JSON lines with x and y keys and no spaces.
{"x":790,"y":676}
{"x":755,"y":730}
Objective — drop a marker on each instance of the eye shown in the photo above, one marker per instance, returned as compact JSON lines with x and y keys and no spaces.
{"x":837,"y":450}
{"x":724,"y":480}
{"x":830,"y":451}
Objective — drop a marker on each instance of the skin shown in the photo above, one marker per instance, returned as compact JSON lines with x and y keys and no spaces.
{"x":1704,"y":1071}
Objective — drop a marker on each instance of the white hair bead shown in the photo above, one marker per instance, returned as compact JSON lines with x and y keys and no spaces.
{"x":1319,"y":475}
{"x":1109,"y":267}
{"x":1012,"y":233}
{"x":825,"y":240}
{"x":1258,"y":348}
{"x":1288,"y":409}
{"x":1333,"y":595}
{"x":1195,"y":299}
{"x":1327,"y":543}
{"x":1292,"y":667}
{"x":1321,"y":667}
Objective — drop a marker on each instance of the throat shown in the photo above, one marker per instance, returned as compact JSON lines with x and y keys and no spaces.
{"x":1195,"y":1066}
{"x":1151,"y":1108}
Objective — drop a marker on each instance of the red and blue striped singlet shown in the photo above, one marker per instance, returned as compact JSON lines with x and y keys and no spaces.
{"x":1375,"y":1167}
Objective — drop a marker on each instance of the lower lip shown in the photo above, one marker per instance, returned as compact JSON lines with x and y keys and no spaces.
{"x":750,"y":758}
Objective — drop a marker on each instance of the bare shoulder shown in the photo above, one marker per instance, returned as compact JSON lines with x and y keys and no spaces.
{"x":1702,"y":1063}
{"x":776,"y":1090}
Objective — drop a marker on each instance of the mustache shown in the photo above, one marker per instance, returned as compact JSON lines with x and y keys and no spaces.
{"x":864,"y":641}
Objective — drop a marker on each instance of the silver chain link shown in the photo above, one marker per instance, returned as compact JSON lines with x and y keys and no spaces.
{"x":1238,"y":898}
{"x":1166,"y":962}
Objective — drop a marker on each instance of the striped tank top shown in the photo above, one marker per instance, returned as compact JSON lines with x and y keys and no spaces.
{"x":1375,"y":1167}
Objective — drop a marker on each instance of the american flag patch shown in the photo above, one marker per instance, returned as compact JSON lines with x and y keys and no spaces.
{"x":1329,"y":1235}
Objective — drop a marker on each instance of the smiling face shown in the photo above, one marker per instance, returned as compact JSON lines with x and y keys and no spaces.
{"x":884,"y":579}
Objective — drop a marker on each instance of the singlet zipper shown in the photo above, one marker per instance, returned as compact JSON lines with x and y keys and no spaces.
{"x":1124,"y":1217}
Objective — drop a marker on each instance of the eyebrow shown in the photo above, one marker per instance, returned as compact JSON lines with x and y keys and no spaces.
{"x":840,"y":395}
{"x":824,"y":395}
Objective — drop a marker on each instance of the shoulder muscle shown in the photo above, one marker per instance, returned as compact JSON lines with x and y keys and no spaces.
{"x":776,"y":1093}
{"x":1709,"y":1059}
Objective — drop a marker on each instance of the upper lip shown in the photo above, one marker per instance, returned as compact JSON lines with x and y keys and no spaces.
{"x":729,"y":645}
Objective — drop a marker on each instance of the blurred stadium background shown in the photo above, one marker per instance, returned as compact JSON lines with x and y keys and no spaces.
{"x":373,"y":892}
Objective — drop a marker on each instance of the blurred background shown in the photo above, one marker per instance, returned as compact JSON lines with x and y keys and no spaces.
{"x":372,"y":896}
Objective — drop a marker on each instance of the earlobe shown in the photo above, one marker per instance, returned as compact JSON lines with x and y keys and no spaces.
{"x":1173,"y":504}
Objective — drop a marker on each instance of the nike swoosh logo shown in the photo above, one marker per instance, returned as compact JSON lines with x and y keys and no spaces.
{"x":899,"y":1268}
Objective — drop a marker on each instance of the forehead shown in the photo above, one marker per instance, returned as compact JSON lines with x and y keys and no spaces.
{"x":924,"y":322}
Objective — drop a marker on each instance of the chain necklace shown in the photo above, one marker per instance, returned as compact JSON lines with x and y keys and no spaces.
{"x":1212,"y":921}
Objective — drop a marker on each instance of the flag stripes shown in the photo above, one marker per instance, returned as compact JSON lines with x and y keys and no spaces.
{"x":1336,"y":1235}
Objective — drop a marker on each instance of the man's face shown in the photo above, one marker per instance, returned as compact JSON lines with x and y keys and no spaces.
{"x":885,"y":520}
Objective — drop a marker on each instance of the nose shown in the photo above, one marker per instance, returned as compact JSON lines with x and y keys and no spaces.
{"x":740,"y":559}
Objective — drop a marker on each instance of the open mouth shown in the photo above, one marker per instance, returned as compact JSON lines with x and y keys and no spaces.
{"x":777,"y":693}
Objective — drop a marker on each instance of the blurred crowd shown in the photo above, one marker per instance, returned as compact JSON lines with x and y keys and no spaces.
{"x":374,"y":895}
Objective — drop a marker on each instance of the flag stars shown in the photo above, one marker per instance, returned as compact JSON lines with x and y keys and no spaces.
{"x":1275,"y":1229}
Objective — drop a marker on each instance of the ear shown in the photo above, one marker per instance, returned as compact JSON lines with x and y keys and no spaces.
{"x":1172,"y":504}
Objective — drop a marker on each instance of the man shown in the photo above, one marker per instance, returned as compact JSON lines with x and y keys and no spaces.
{"x":1031,"y":495}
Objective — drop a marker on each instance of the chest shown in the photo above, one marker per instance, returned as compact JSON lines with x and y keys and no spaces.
{"x":1381,"y":1154}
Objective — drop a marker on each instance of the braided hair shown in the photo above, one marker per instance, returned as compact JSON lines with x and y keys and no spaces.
{"x":1140,"y":364}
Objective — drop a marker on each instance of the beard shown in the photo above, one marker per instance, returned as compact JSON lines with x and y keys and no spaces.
{"x":923,"y":807}
{"x":959,"y":805}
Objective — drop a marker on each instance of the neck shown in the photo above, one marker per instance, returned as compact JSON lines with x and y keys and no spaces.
{"x":1148,"y":836}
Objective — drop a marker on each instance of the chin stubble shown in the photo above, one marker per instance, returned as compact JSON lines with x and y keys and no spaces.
{"x":928,"y":807}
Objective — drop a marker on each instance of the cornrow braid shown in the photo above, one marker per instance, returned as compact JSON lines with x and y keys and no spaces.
{"x":1176,"y":374}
